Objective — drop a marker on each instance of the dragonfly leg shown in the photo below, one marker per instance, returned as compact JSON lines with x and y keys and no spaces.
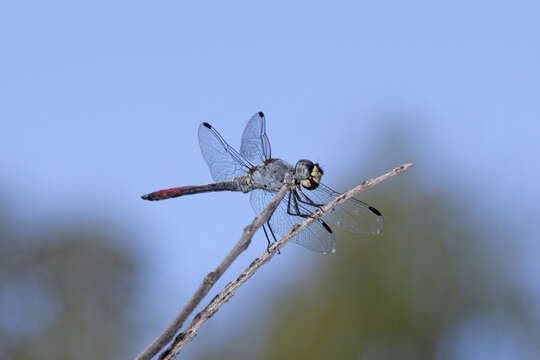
{"x":267,"y":237}
{"x":296,"y":199}
{"x":295,"y":204}
{"x":308,"y":201}
{"x":273,"y":235}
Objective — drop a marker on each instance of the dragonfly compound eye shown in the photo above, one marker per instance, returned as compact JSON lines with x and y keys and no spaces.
{"x":314,"y":178}
{"x":303,"y":169}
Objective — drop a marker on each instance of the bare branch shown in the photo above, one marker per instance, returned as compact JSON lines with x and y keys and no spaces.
{"x":211,"y":278}
{"x":229,"y":290}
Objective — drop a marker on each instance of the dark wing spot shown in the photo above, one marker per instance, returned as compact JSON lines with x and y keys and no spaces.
{"x":327,"y":228}
{"x":261,"y":114}
{"x":207,"y":125}
{"x":375,"y":211}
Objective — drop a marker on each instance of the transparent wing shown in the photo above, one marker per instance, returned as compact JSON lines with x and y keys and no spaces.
{"x":315,"y":237}
{"x":224,"y":162}
{"x":353,"y":215}
{"x":255,"y":144}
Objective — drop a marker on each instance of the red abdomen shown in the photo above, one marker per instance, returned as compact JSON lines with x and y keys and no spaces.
{"x":164,"y":194}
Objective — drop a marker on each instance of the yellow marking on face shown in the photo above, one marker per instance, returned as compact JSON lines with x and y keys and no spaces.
{"x":316,"y":174}
{"x":306,"y":183}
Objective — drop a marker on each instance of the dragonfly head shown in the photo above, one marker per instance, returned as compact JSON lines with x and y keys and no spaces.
{"x":308,"y":173}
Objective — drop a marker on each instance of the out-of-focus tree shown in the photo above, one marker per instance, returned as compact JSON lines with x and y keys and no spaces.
{"x":64,"y":293}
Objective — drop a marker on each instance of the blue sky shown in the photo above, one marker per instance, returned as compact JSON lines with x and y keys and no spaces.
{"x":100,"y":103}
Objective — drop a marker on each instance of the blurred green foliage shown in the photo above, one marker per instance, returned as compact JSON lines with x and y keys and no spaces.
{"x":405,"y":294}
{"x":399,"y":295}
{"x":64,"y":293}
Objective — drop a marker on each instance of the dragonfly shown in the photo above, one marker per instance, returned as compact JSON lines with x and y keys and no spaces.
{"x":253,"y":170}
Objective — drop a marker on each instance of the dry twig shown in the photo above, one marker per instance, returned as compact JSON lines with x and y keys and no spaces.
{"x":229,"y":290}
{"x":211,"y":278}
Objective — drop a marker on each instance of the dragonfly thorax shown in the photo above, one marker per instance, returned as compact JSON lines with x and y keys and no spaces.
{"x":271,"y":175}
{"x":308,"y":174}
